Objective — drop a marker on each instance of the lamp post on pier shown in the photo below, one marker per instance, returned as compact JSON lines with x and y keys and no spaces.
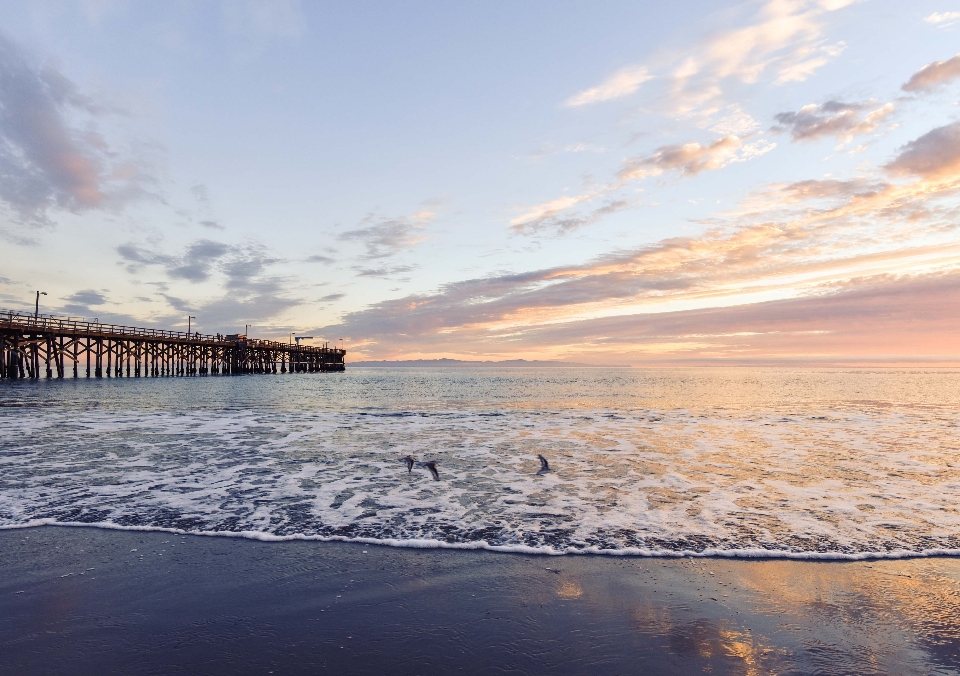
{"x":36,"y":308}
{"x":188,"y":324}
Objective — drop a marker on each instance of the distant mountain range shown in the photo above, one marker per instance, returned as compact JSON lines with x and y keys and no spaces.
{"x":461,"y":362}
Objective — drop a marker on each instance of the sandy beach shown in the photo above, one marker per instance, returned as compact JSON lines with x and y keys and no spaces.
{"x":97,"y":601}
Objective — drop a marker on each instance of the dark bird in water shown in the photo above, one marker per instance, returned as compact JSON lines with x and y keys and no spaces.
{"x":544,"y":465}
{"x":432,"y":466}
{"x":409,"y":459}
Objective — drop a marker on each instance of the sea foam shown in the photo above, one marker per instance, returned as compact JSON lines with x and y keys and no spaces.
{"x":842,"y":484}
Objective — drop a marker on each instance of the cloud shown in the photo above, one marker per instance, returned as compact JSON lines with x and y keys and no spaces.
{"x":882,"y":318}
{"x":692,"y":158}
{"x":561,"y":222}
{"x":80,"y":303}
{"x":621,"y":83}
{"x":45,"y":161}
{"x":194,"y":265}
{"x":833,"y":189}
{"x":935,"y":155}
{"x":332,"y":297}
{"x":201,"y":194}
{"x":141,"y":256}
{"x":245,"y":269}
{"x":942,"y":19}
{"x":249,"y":292}
{"x":800,"y":239}
{"x":230,"y":312}
{"x":87,"y":297}
{"x":545,"y":210}
{"x":389,"y":237}
{"x":384,"y":272}
{"x":213,"y":225}
{"x":317,"y":258}
{"x":933,"y":75}
{"x":735,"y":122}
{"x":833,"y":118}
{"x":784,"y":37}
{"x":560,"y":215}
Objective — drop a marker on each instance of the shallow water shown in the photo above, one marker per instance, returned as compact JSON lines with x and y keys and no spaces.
{"x":808,"y":463}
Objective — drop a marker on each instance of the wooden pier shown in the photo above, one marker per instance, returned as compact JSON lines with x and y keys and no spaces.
{"x":34,"y":346}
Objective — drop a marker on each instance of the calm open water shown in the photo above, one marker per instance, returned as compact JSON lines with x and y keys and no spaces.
{"x":809,"y":463}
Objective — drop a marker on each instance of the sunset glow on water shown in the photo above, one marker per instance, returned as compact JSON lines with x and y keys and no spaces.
{"x":659,"y":462}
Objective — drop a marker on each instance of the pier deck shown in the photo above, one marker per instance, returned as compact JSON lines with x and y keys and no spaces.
{"x":34,"y":346}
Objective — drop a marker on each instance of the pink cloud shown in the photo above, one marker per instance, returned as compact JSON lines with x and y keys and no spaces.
{"x":935,"y":155}
{"x":882,"y":318}
{"x":933,"y":75}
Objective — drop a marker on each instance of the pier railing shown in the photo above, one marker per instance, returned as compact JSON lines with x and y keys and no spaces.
{"x":28,"y":339}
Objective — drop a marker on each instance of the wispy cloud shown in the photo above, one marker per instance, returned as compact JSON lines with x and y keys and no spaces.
{"x":557,"y":216}
{"x":833,"y":118}
{"x":549,"y":209}
{"x":388,"y":237}
{"x":692,"y":158}
{"x":621,"y":83}
{"x":818,"y":189}
{"x":933,"y":75}
{"x":942,"y":19}
{"x":386,"y":272}
{"x":566,"y":214}
{"x":784,"y":38}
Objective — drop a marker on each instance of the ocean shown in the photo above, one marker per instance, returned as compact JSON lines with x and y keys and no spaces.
{"x":745,"y":462}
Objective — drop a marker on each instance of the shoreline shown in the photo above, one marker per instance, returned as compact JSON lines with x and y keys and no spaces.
{"x":97,"y":600}
{"x":526,"y":550}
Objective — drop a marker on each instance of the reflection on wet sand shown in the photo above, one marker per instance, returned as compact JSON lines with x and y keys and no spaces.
{"x":355,"y":608}
{"x":771,"y":617}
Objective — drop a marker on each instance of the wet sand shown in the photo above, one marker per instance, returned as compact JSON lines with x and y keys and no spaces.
{"x":82,"y":601}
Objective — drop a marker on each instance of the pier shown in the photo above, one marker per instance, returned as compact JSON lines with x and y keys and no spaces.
{"x":33,"y":346}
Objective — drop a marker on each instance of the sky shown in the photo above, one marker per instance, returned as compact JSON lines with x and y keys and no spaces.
{"x":612,"y":183}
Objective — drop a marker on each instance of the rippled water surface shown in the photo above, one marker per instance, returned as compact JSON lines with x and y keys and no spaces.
{"x":807,"y":463}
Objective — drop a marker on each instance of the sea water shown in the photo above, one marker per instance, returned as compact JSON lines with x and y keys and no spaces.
{"x":806,"y":463}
